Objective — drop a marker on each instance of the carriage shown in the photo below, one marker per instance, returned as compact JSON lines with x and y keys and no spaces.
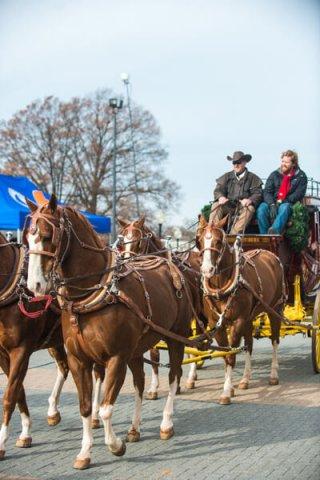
{"x":302,"y":272}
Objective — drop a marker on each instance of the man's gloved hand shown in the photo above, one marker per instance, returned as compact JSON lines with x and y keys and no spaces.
{"x":273,"y":210}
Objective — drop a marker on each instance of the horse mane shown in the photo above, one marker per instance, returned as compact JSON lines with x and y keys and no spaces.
{"x":85,"y":223}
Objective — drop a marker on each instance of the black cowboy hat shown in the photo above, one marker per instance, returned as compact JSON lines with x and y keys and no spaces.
{"x":239,"y":156}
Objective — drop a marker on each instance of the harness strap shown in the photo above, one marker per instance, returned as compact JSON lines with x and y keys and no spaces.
{"x":163,"y":331}
{"x":37,"y":313}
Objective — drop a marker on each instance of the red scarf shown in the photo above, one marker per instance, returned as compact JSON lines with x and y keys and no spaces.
{"x":285,"y":186}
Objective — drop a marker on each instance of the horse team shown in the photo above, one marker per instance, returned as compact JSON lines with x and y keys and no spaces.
{"x":109,"y":307}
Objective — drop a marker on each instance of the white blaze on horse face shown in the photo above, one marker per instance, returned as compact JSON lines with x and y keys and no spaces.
{"x":127,"y":245}
{"x":36,"y":281}
{"x":207,"y":267}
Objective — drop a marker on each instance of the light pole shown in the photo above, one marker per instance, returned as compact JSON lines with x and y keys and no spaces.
{"x":115,"y":104}
{"x":160,"y":218}
{"x":177,"y":235}
{"x":126,"y":81}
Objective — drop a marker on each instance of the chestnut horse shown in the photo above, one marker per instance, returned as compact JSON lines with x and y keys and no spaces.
{"x":228,"y":275}
{"x":20,"y":336}
{"x":112,"y":313}
{"x":137,"y":239}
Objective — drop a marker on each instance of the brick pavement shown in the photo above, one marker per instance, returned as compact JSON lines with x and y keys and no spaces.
{"x":268,"y":433}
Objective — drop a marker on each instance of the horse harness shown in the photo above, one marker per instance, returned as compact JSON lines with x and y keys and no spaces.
{"x":107,"y":292}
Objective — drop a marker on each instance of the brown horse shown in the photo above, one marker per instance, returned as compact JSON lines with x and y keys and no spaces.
{"x":112,"y":313}
{"x":135,"y":239}
{"x":226,"y":272}
{"x":20,"y":336}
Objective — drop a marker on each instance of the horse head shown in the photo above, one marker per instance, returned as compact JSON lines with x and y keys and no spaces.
{"x":135,"y":237}
{"x":212,"y":243}
{"x":42,"y":236}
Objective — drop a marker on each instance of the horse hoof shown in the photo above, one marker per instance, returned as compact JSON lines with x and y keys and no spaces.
{"x":243,"y":385}
{"x":190,"y":385}
{"x":2,"y":454}
{"x":152,"y":396}
{"x":166,"y":434}
{"x":53,"y":420}
{"x":133,"y":436}
{"x":178,"y":391}
{"x":224,"y":401}
{"x":120,"y":451}
{"x":95,"y":423}
{"x":80,"y":464}
{"x":24,"y":442}
{"x":273,"y":381}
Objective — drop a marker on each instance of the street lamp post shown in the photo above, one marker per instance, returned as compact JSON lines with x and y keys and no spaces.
{"x":126,"y":80}
{"x":115,"y":104}
{"x":160,"y":218}
{"x":177,"y":235}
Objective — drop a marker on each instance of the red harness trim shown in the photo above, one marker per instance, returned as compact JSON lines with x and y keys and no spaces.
{"x":38,"y":313}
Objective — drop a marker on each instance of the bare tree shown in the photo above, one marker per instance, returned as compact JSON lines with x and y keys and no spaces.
{"x":67,"y":148}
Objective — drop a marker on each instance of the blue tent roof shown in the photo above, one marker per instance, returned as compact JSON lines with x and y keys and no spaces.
{"x":13,"y":208}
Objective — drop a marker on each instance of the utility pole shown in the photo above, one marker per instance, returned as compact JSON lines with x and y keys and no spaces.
{"x":126,"y":81}
{"x":116,"y":104}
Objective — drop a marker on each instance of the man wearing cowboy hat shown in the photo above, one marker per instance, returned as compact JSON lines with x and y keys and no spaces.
{"x":238,"y":193}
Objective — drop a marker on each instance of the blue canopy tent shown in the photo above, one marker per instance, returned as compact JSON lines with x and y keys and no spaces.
{"x":13,"y":208}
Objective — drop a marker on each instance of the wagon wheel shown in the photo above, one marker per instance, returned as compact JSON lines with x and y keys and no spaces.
{"x":316,"y":336}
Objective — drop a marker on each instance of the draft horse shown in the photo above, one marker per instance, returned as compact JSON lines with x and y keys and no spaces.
{"x":230,"y":278}
{"x":112,"y":314}
{"x":135,"y":238}
{"x":20,"y":336}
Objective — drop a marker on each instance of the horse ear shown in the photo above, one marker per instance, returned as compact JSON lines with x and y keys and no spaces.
{"x":53,"y":203}
{"x":221,"y":223}
{"x":141,"y":221}
{"x":33,"y":207}
{"x":202,"y":223}
{"x":122,"y":223}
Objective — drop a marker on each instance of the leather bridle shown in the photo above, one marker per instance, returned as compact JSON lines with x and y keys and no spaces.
{"x":219,"y":251}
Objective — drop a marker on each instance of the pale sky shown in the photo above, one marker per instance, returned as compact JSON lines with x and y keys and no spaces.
{"x":219,"y":76}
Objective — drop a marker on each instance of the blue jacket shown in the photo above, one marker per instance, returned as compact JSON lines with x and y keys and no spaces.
{"x":297,"y":190}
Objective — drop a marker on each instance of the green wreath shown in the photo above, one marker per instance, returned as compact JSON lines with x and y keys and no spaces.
{"x":206,"y":210}
{"x":298,"y":232}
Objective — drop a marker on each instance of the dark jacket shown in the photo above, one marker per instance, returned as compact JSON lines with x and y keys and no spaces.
{"x":250,"y":186}
{"x":297,"y":190}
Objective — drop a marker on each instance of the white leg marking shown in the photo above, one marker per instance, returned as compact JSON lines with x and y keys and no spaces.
{"x":87,"y":439}
{"x":192,"y":375}
{"x":136,"y":419}
{"x":275,"y":364}
{"x":36,"y":281}
{"x":26,"y":426}
{"x":154,"y":385}
{"x":247,"y":369}
{"x":227,"y":382}
{"x":113,"y":442}
{"x":4,"y":435}
{"x":167,"y":423}
{"x":96,"y":399}
{"x":54,"y":398}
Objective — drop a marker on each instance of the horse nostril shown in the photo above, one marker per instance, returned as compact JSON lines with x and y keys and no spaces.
{"x":38,"y":285}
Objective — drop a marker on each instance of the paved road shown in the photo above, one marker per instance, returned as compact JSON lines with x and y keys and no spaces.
{"x":267,"y":433}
